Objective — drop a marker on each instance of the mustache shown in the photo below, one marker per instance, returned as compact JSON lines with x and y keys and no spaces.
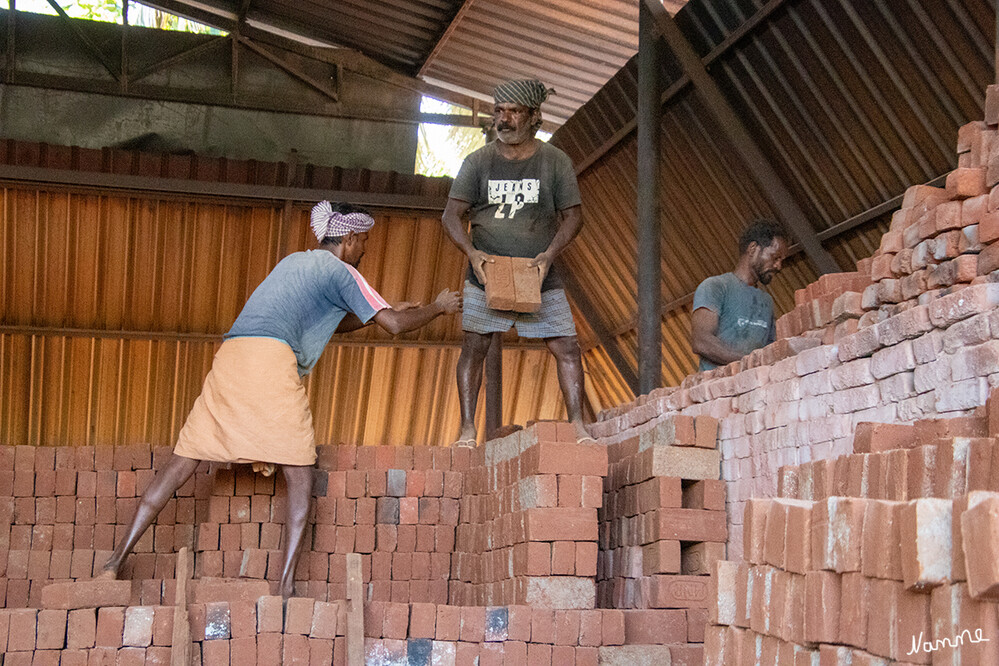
{"x":503,"y":126}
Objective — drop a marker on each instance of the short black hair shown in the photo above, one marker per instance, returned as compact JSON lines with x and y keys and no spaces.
{"x":346,"y":209}
{"x":763,"y":232}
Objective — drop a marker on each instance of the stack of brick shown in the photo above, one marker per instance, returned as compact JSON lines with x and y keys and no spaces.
{"x":889,"y":553}
{"x":935,"y":360}
{"x":305,"y":631}
{"x":663,"y":522}
{"x":828,"y":309}
{"x":398,"y":507}
{"x":62,"y":508}
{"x":528,"y":531}
{"x":76,"y":637}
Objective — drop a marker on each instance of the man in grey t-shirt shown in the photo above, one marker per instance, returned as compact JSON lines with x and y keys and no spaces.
{"x":520,"y":196}
{"x":732,"y":317}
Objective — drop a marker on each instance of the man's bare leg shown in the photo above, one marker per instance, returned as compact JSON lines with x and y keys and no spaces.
{"x":166,"y":482}
{"x":569,"y":363}
{"x":299,"y":480}
{"x":473,"y":353}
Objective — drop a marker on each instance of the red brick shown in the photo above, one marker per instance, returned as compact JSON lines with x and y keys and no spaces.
{"x":925,"y":533}
{"x":269,"y":648}
{"x":298,"y":615}
{"x":678,"y":591}
{"x":270,"y":614}
{"x":295,"y":649}
{"x":473,"y":620}
{"x":81,"y":628}
{"x":396,"y":622}
{"x":87,"y":594}
{"x":51,"y":630}
{"x":542,"y":626}
{"x":110,"y":626}
{"x":980,"y":543}
{"x":655,"y":627}
{"x":822,"y":607}
{"x":561,"y":524}
{"x":448,"y":624}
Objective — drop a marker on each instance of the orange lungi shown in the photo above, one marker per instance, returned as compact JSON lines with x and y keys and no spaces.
{"x":252,"y":408}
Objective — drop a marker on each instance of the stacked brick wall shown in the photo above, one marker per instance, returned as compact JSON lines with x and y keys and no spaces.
{"x":664,"y":519}
{"x":397,"y":506}
{"x":306,"y":631}
{"x":528,"y":532}
{"x":485,"y":554}
{"x":913,"y":334}
{"x":937,"y":359}
{"x":888,"y":554}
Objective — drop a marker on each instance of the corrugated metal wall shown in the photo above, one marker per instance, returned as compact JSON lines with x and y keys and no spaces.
{"x":113,"y":304}
{"x":851,"y":100}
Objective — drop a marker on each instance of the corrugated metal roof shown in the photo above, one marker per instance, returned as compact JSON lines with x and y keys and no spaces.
{"x":852,"y":101}
{"x":465,"y":46}
{"x":113,"y":305}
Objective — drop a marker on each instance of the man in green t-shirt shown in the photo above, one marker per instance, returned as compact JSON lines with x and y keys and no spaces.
{"x":521,"y":198}
{"x":732,"y":316}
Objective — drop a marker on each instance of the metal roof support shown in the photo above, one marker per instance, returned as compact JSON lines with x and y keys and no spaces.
{"x":777,"y":193}
{"x":650,"y":356}
{"x":445,"y":36}
{"x":494,"y":385}
{"x":11,"y":33}
{"x":596,"y":322}
{"x":773,"y":187}
{"x":85,"y":41}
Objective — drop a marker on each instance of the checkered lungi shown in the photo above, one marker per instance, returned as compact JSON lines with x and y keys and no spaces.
{"x":553,"y":320}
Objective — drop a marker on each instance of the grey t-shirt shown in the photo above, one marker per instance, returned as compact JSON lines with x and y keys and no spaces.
{"x":302,"y":301}
{"x":745,"y":314}
{"x":515,"y":203}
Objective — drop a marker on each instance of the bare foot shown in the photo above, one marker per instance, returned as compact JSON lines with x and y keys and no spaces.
{"x":286,"y":589}
{"x":109,"y":572}
{"x":582,"y":435}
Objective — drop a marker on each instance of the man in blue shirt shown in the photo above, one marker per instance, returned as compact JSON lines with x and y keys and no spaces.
{"x":732,"y":316}
{"x":253,"y":407}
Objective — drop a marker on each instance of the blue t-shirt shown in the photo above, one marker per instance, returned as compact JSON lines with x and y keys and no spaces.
{"x":302,"y":301}
{"x":745,"y":314}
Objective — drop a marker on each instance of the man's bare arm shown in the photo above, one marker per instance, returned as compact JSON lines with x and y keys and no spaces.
{"x":350,"y":322}
{"x":400,"y":321}
{"x":704,"y":338}
{"x":454,"y":224}
{"x":570,"y":221}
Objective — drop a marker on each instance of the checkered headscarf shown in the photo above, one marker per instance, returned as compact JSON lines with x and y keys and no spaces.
{"x":327,"y":222}
{"x":528,"y":92}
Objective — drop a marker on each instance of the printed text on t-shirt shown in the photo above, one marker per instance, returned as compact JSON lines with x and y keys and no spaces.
{"x":511,"y":195}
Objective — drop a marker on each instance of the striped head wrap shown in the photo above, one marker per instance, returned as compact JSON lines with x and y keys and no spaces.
{"x":528,"y":92}
{"x":327,"y":222}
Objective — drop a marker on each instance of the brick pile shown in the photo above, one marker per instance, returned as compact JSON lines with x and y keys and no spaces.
{"x":828,"y":309}
{"x":889,"y":553}
{"x":933,"y":361}
{"x":663,"y":523}
{"x":306,"y":631}
{"x":911,"y":335}
{"x":524,"y":553}
{"x":397,"y":506}
{"x":62,"y":509}
{"x":528,"y":532}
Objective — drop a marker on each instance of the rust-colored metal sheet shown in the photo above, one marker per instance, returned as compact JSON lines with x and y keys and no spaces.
{"x":851,"y":101}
